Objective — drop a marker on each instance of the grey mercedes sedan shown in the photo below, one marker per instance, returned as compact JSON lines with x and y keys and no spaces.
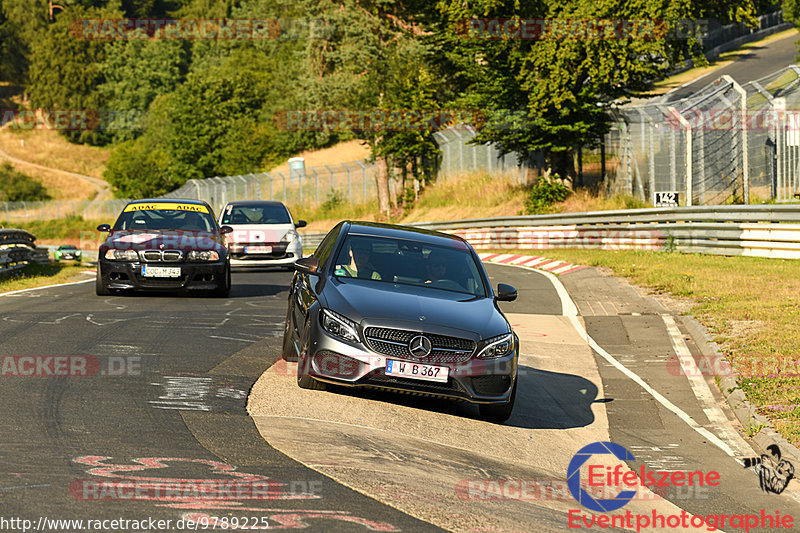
{"x":402,"y":309}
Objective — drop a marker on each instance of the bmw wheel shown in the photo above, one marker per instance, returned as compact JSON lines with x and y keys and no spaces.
{"x":224,"y":290}
{"x":99,"y":287}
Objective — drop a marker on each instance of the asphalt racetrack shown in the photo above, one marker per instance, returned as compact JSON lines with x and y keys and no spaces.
{"x":135,"y":409}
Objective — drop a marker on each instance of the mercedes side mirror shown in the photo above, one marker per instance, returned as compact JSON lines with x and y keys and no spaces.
{"x":506,"y":293}
{"x":307,"y":265}
{"x":104,"y":227}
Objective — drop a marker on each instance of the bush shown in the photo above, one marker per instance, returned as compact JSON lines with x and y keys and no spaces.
{"x":335,"y":199}
{"x":17,"y":187}
{"x":544,"y":194}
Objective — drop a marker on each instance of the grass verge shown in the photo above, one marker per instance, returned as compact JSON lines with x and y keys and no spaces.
{"x":749,"y":305}
{"x":40,"y":275}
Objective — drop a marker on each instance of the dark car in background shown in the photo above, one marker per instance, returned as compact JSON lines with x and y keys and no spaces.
{"x":164,"y":244}
{"x":402,"y":309}
{"x":67,"y":252}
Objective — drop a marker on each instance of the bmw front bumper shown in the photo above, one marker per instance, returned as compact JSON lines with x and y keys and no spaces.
{"x":125,"y":275}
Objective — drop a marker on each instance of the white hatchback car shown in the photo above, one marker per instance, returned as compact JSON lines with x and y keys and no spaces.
{"x":264,"y":234}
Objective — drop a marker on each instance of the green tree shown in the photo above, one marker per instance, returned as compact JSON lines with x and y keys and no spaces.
{"x":17,"y":187}
{"x":66,"y":72}
{"x":376,"y":58}
{"x":135,"y":72}
{"x":137,"y":169}
{"x":553,"y":94}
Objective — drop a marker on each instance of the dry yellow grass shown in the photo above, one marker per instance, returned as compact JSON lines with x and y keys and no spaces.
{"x":49,"y":148}
{"x":467,"y":196}
{"x":340,"y":153}
{"x":59,"y":186}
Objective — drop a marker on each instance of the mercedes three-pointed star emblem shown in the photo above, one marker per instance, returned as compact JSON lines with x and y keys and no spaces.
{"x":420,"y":346}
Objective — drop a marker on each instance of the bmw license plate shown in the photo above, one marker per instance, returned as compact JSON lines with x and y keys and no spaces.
{"x":259,"y":249}
{"x":416,"y":371}
{"x":160,"y":272}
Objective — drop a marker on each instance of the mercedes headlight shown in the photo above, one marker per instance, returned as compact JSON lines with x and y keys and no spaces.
{"x":499,"y":346}
{"x":202,"y":255}
{"x":339,"y":326}
{"x":122,"y":255}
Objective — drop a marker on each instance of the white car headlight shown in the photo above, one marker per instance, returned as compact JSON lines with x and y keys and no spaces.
{"x":202,"y":255}
{"x":339,"y":326}
{"x":290,"y":236}
{"x":499,"y":346}
{"x":122,"y":255}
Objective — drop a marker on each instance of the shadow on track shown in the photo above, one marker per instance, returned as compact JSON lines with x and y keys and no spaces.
{"x":545,"y":400}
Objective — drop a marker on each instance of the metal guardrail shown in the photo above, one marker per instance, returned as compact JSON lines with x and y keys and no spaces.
{"x":755,"y":230}
{"x":17,"y":249}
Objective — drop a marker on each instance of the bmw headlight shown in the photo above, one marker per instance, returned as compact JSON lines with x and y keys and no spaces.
{"x":499,"y":346}
{"x":122,"y":255}
{"x":202,"y":255}
{"x":339,"y":326}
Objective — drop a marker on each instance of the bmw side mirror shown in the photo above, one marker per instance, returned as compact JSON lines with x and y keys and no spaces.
{"x":307,"y":265}
{"x":104,"y":227}
{"x":301,"y":224}
{"x":225,"y":229}
{"x":506,"y":293}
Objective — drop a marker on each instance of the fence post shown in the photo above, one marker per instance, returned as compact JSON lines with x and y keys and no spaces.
{"x":460,"y":150}
{"x":685,"y":123}
{"x":745,"y":156}
{"x":330,"y":170}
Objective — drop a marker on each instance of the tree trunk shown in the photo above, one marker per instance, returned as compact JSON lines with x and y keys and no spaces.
{"x":563,"y":164}
{"x":382,"y":182}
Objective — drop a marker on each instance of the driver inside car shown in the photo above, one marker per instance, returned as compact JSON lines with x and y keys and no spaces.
{"x":436,"y":267}
{"x":360,"y":264}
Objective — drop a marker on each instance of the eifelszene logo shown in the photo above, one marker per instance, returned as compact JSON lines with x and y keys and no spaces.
{"x":617,"y":476}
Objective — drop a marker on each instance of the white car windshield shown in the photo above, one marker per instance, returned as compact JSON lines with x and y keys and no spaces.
{"x":256,"y":214}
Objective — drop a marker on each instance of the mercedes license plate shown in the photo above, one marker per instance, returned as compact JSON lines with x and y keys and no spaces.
{"x":416,"y":371}
{"x":160,"y":272}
